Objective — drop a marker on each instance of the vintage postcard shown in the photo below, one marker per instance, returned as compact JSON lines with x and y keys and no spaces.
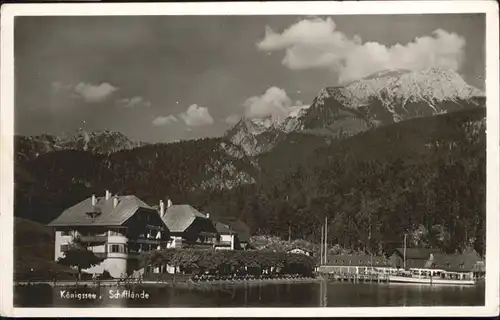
{"x":250,"y":159}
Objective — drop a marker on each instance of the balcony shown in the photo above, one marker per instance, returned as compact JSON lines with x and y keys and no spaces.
{"x":223,"y":243}
{"x":94,"y":238}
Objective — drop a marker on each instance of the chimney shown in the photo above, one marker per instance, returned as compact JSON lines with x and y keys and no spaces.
{"x":108,"y":195}
{"x":115,"y":201}
{"x":94,"y":200}
{"x":162,"y":208}
{"x":169,"y":203}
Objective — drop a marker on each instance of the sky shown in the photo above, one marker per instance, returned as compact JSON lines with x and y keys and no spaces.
{"x":169,"y":78}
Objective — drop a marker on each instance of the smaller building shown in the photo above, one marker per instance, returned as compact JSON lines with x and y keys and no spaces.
{"x":233,"y":234}
{"x":188,"y":227}
{"x":240,"y":229}
{"x":226,"y":236}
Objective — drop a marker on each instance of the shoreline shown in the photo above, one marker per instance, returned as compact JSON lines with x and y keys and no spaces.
{"x":187,"y":284}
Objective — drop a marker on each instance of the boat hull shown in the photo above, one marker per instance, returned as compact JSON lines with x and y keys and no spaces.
{"x":433,"y":281}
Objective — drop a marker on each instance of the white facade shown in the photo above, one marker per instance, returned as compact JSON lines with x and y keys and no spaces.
{"x":61,"y":239}
{"x":226,"y":239}
{"x":175,"y":243}
{"x":113,"y":247}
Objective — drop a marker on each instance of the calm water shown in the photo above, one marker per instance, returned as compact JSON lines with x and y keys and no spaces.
{"x":320,"y":294}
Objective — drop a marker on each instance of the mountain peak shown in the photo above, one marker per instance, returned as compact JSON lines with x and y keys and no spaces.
{"x":105,"y":141}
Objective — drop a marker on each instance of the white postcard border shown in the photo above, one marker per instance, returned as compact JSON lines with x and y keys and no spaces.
{"x":490,"y":8}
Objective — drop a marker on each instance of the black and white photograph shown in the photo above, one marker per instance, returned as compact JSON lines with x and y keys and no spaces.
{"x":318,"y":159}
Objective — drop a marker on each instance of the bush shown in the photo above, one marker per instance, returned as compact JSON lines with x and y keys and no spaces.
{"x":105,"y":275}
{"x":229,"y":262}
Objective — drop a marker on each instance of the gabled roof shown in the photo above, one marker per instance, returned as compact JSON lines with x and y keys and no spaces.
{"x":356,"y":260}
{"x":417,"y":253}
{"x":464,"y":262}
{"x":80,"y":214}
{"x":238,"y":226}
{"x":179,"y":217}
{"x":223,"y":228}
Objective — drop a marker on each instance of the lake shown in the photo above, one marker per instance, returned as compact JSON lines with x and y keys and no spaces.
{"x":318,"y":294}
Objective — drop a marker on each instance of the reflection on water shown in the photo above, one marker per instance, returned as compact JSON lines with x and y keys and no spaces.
{"x":320,"y":294}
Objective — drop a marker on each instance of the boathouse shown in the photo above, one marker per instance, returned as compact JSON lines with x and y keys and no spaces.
{"x":457,"y":265}
{"x":355,"y":264}
{"x":411,"y":257}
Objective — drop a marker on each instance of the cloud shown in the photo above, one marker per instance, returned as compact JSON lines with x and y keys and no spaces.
{"x":162,"y":121}
{"x":196,"y":116}
{"x":134,"y":102}
{"x":89,"y":93}
{"x":232,"y":119}
{"x":94,"y":93}
{"x":274,"y":103}
{"x":58,"y":86}
{"x":315,"y":43}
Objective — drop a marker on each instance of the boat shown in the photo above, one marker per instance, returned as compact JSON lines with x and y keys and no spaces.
{"x":429,"y":280}
{"x":430,"y":276}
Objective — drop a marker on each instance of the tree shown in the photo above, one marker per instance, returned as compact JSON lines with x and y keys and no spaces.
{"x":79,"y":257}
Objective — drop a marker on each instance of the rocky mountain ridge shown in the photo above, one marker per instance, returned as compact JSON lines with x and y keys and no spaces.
{"x":386,"y":97}
{"x":100,"y":142}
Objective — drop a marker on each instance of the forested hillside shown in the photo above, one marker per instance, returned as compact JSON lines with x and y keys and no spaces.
{"x":424,"y":176}
{"x":52,"y":182}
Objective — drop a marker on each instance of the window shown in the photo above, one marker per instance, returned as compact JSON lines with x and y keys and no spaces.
{"x":64,"y":247}
{"x":461,"y":265}
{"x":117,"y":248}
{"x":65,"y":233}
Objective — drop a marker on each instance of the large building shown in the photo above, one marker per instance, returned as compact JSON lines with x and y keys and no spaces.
{"x":115,"y":228}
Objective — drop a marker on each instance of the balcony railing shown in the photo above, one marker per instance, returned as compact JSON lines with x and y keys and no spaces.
{"x":94,"y":238}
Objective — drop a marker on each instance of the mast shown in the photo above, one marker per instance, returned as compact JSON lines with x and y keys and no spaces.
{"x":370,"y":240}
{"x":321,"y":246}
{"x":289,"y":233}
{"x":404,"y":253}
{"x":326,"y":237}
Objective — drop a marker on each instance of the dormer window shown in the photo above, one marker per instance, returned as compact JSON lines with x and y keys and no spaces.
{"x":94,"y":213}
